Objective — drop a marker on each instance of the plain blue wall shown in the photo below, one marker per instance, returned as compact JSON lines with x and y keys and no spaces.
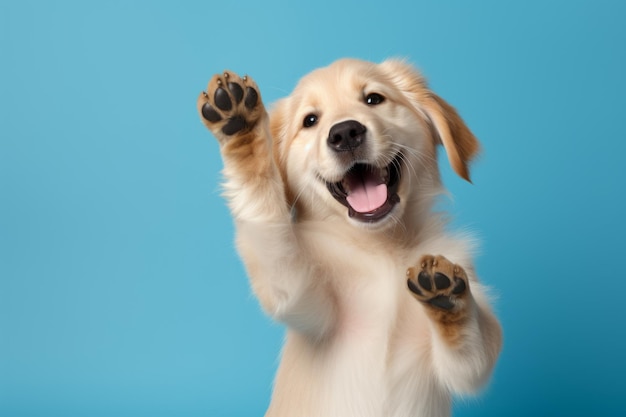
{"x":120,"y":291}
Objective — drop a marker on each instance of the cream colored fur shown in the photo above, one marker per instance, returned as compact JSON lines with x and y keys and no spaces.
{"x":358,"y":343}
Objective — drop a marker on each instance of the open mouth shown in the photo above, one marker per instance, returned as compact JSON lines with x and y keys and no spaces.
{"x":369,"y":192}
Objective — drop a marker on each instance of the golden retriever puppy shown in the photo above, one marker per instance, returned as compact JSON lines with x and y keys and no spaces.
{"x":332,"y":195}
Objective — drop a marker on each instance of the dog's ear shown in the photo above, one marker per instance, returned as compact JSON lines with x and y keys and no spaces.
{"x":460,"y":144}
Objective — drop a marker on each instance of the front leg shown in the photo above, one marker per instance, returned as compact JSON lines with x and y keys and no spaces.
{"x":233,"y":111}
{"x":466,"y":335}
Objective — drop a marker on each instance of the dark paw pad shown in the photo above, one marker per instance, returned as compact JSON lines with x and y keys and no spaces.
{"x":439,"y":283}
{"x":222,"y":100}
{"x":236,"y":91}
{"x":415,"y":289}
{"x":231,"y":104}
{"x":441,"y":301}
{"x":209,"y":113}
{"x":252,"y":98}
{"x":424,"y":280}
{"x":234,"y":125}
{"x":459,"y":286}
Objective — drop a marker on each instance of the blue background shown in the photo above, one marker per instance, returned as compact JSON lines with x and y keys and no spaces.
{"x":120,"y":291}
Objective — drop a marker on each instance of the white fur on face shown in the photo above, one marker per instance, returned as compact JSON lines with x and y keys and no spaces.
{"x":337,"y":94}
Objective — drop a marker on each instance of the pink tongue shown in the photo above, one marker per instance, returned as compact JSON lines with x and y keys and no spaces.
{"x":366,"y":194}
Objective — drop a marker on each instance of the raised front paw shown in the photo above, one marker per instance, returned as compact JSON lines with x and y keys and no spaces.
{"x":438,"y":283}
{"x":231,"y":105}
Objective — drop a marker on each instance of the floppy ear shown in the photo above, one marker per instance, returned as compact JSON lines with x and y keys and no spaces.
{"x":458,"y":141}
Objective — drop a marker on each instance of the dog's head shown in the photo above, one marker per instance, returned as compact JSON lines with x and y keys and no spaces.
{"x":359,"y":139}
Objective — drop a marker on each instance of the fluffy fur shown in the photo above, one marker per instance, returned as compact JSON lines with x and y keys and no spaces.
{"x":385,"y":314}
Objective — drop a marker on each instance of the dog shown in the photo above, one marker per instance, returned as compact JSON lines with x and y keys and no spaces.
{"x":332,"y":194}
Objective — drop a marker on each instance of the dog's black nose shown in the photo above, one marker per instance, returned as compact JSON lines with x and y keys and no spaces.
{"x":346,"y":136}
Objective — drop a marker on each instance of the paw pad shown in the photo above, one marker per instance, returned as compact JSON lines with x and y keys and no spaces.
{"x":231,"y":104}
{"x":209,"y":113}
{"x":252,"y":97}
{"x":439,"y":283}
{"x":234,"y":125}
{"x":236,"y":91}
{"x":222,"y":99}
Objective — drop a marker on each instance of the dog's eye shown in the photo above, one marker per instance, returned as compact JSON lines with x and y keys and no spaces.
{"x":309,"y":120}
{"x":373,"y":99}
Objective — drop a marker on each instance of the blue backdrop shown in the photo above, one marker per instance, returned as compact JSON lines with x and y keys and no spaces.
{"x":120,"y":290}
